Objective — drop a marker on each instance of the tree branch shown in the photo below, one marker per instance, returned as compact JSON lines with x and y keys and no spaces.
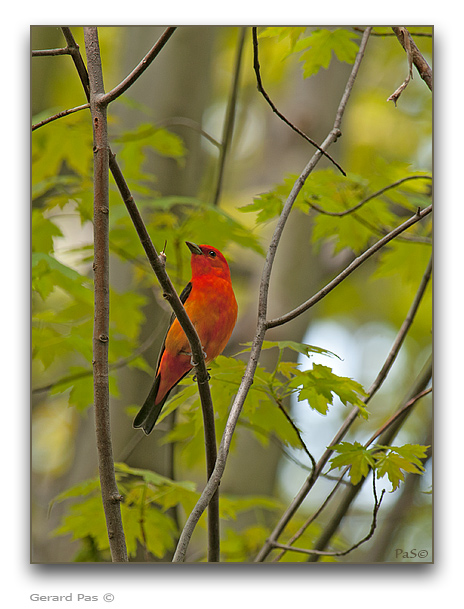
{"x":247,"y":380}
{"x":140,"y":68}
{"x":170,"y":293}
{"x":230,"y":116}
{"x":309,"y":482}
{"x":368,"y":198}
{"x":75,"y":53}
{"x":110,"y":494}
{"x":403,"y":331}
{"x":273,"y":323}
{"x":385,"y":439}
{"x":297,"y":431}
{"x":120,"y":363}
{"x":407,"y":47}
{"x":414,"y":57}
{"x":317,"y":553}
{"x":201,"y":372}
{"x":59,"y":115}
{"x":50,"y":52}
{"x":261,"y":89}
{"x":399,"y":413}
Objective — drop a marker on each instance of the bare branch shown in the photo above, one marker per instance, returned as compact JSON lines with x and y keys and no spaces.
{"x":230,"y":116}
{"x":110,"y":495}
{"x":140,"y":69}
{"x":349,"y":269}
{"x":261,"y":89}
{"x":414,"y":56}
{"x":409,"y":404}
{"x":191,"y":124}
{"x":121,"y":363}
{"x":387,"y":34}
{"x":375,"y":511}
{"x":367,"y":199}
{"x":297,"y":431}
{"x":59,"y":115}
{"x":403,"y":331}
{"x":407,"y":47}
{"x":75,"y":53}
{"x":50,"y":52}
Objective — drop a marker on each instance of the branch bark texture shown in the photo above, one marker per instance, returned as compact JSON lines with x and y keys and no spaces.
{"x":425,"y":71}
{"x":110,"y":495}
{"x":158,"y":266}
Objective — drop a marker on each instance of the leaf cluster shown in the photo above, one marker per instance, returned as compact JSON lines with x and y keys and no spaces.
{"x":148,"y":499}
{"x":392,"y":461}
{"x":318,"y":47}
{"x":262,"y":411}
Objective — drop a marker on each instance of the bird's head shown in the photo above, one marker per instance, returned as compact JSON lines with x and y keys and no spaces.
{"x":207,"y":260}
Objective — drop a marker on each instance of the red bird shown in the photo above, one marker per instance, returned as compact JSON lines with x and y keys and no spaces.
{"x":210,"y":303}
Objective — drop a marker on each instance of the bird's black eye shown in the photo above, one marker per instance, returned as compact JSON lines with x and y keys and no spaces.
{"x":212,"y":253}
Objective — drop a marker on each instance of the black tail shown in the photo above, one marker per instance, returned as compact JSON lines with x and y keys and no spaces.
{"x":148,"y":415}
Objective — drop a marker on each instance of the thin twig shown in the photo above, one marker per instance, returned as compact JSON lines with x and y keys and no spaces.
{"x":387,"y":34}
{"x":297,"y":431}
{"x":407,"y":47}
{"x":230,"y":116}
{"x":278,"y":321}
{"x":191,"y":124}
{"x":367,"y":199}
{"x":140,"y":68}
{"x":397,"y":415}
{"x":414,"y":56}
{"x":377,"y":504}
{"x":403,"y":331}
{"x":50,"y":52}
{"x":120,"y":363}
{"x":59,"y":115}
{"x":261,"y":89}
{"x":77,"y":59}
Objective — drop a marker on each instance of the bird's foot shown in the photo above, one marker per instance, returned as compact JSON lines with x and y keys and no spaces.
{"x":208,"y":379}
{"x":195,"y":363}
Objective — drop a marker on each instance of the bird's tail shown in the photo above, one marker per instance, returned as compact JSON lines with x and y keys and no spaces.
{"x":148,"y":415}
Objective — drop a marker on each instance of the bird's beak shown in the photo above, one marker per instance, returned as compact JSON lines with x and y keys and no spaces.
{"x":193,"y":247}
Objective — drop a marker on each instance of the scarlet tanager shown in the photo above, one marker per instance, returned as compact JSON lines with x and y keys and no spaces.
{"x":210,"y":303}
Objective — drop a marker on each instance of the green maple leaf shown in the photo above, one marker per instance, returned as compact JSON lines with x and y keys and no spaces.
{"x":359,"y":458}
{"x":322,"y":44}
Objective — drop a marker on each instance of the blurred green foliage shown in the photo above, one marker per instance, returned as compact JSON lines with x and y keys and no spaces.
{"x":386,"y":156}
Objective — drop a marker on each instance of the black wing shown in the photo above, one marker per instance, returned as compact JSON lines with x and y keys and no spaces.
{"x":183,"y":298}
{"x":147,"y":416}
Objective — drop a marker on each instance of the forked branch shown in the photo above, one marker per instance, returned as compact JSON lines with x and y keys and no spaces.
{"x":262,"y":326}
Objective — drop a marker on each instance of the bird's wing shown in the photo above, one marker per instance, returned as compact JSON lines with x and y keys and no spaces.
{"x":183,"y":298}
